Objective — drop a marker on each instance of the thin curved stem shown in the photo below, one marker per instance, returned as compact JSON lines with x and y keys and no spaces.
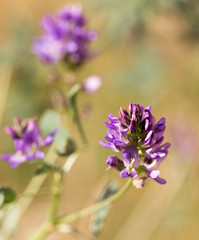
{"x":42,"y":232}
{"x":78,"y":122}
{"x":73,"y":103}
{"x":47,"y":227}
{"x":95,"y":207}
{"x":53,"y":222}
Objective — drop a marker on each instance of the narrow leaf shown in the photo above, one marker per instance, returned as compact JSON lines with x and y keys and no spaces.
{"x":51,"y":120}
{"x":98,"y":219}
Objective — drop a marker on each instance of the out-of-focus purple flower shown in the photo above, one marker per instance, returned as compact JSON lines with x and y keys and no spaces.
{"x":48,"y":49}
{"x":92,"y":84}
{"x":28,"y":142}
{"x":138,"y":137}
{"x":185,"y":138}
{"x":65,"y":37}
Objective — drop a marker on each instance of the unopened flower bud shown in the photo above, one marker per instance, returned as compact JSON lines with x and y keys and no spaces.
{"x":92,"y":84}
{"x":114,"y":162}
{"x":139,"y":183}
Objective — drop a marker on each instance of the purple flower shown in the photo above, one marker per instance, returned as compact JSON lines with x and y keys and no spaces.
{"x":185,"y":138}
{"x":49,"y":50}
{"x":116,"y":135}
{"x":114,"y":162}
{"x":65,"y":37}
{"x":138,"y":137}
{"x":27,"y":141}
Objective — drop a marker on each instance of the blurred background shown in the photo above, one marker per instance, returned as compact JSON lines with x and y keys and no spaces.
{"x":148,"y":53}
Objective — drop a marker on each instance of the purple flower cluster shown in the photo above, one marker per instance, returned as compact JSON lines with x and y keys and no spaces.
{"x":138,"y":137}
{"x":65,"y":37}
{"x":27,"y":141}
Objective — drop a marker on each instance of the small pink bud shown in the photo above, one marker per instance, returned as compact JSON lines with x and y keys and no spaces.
{"x":139,"y":183}
{"x":92,"y":84}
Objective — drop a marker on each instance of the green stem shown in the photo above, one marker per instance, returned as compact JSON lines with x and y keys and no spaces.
{"x":56,"y":193}
{"x":42,"y":232}
{"x":78,"y":122}
{"x":47,"y":227}
{"x":73,"y":102}
{"x":52,"y":222}
{"x":95,"y":207}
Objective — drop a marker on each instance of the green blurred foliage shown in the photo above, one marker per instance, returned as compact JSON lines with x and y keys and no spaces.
{"x":7,"y":195}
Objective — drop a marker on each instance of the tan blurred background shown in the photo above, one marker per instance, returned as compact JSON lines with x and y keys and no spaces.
{"x":148,"y":54}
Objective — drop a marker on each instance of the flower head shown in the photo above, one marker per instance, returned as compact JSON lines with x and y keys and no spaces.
{"x":138,"y":137}
{"x":27,"y":141}
{"x":65,"y":37}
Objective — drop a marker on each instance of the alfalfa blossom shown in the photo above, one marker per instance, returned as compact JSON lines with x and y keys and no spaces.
{"x":138,"y":137}
{"x":28,"y":142}
{"x":65,"y":37}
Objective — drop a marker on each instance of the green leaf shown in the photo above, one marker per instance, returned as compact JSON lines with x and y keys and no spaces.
{"x":7,"y":195}
{"x":74,"y":91}
{"x":69,"y":148}
{"x":43,"y":169}
{"x":51,"y":120}
{"x":98,"y":219}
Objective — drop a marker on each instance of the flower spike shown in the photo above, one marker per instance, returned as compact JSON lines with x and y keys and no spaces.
{"x":138,"y":137}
